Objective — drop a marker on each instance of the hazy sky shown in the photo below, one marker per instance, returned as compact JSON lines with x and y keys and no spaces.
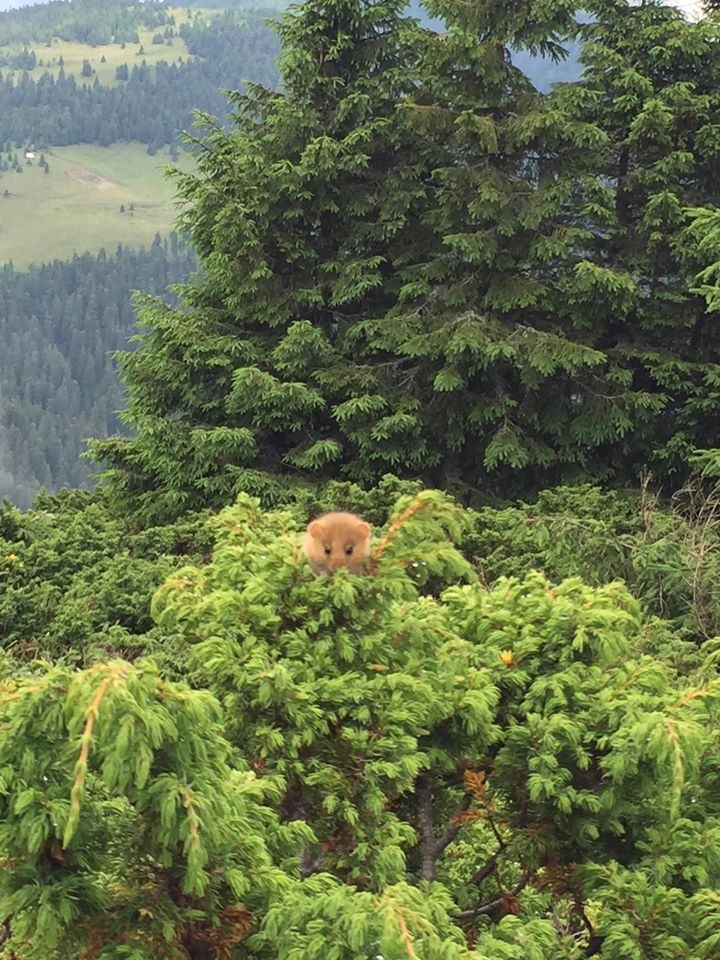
{"x":11,"y":4}
{"x":690,"y":7}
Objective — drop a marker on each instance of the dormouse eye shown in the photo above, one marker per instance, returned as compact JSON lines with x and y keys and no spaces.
{"x":349,"y":550}
{"x":328,"y":550}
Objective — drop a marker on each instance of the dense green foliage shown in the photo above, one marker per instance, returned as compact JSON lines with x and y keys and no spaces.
{"x":77,"y":580}
{"x":78,"y":569}
{"x":152,"y":105}
{"x":404,"y":760}
{"x":416,"y":264}
{"x":59,"y":385}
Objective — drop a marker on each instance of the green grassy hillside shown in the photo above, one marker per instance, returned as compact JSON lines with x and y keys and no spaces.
{"x":76,"y":207}
{"x":72,"y":55}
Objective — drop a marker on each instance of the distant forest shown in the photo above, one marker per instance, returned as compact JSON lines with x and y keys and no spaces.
{"x":84,"y":21}
{"x":148,"y":105}
{"x":58,"y":385}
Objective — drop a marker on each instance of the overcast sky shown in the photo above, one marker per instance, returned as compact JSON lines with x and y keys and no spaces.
{"x":690,"y":7}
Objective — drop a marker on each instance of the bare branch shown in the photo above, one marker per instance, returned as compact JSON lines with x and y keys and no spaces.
{"x":432,"y":849}
{"x":486,"y":908}
{"x":453,"y":826}
{"x":427,"y":838}
{"x":496,"y":832}
{"x":295,"y":810}
{"x":489,"y":867}
{"x":309,"y":864}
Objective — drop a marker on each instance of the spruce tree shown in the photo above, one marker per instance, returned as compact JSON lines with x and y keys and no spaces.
{"x":349,"y":209}
{"x":652,"y":85}
{"x":321,"y":180}
{"x":131,"y":847}
{"x":415,"y":262}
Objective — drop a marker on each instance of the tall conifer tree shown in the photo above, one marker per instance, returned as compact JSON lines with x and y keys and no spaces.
{"x":416,"y":263}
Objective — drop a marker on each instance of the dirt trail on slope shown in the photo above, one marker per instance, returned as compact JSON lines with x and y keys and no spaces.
{"x":93,"y":179}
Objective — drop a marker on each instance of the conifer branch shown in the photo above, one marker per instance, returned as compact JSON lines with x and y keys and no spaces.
{"x":496,"y":904}
{"x":432,"y":848}
{"x":407,"y":939}
{"x":17,"y":694}
{"x":691,"y":695}
{"x":193,"y":819}
{"x":419,"y":503}
{"x":678,"y":767}
{"x":78,"y":788}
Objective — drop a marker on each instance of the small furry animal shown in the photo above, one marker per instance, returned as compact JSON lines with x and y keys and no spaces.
{"x":337,"y":540}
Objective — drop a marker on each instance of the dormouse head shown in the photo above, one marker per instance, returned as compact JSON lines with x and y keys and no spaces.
{"x":338,"y":540}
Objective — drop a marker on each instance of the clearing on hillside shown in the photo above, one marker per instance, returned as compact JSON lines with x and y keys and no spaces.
{"x":73,"y":54}
{"x":87,"y":176}
{"x":93,"y":197}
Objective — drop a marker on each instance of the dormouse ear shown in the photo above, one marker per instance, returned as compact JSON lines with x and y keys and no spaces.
{"x":364,"y":529}
{"x":315,"y":529}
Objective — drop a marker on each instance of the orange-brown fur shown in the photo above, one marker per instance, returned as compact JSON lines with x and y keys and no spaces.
{"x":337,"y":540}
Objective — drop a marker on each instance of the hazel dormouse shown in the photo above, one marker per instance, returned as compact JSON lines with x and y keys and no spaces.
{"x":337,"y":540}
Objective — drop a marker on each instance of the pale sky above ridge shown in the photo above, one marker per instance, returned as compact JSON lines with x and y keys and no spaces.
{"x":691,"y":8}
